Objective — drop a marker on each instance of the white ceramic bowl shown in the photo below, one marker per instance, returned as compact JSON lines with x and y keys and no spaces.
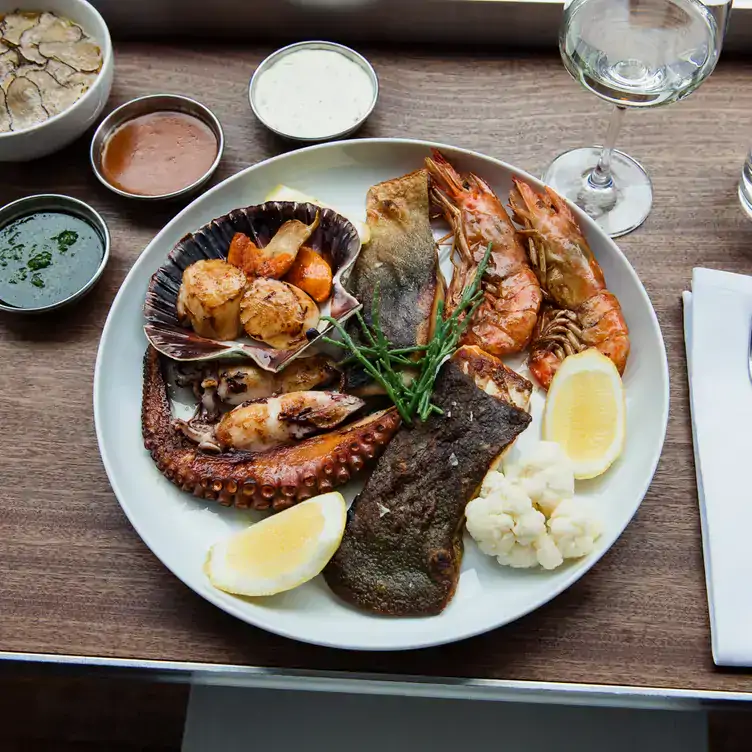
{"x":57,"y":132}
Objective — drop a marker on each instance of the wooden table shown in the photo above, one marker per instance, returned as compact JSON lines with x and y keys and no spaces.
{"x":75,"y":578}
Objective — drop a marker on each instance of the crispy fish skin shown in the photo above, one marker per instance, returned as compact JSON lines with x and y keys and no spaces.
{"x":401,"y":259}
{"x":493,"y":377}
{"x":402,"y":548}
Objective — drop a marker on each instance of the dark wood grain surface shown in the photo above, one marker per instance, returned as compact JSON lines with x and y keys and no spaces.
{"x":76,"y":579}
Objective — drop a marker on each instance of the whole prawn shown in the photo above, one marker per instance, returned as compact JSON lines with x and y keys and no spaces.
{"x":579,"y":312}
{"x":504,"y":322}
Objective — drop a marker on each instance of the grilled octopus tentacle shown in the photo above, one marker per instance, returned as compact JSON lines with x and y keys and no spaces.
{"x":274,"y":479}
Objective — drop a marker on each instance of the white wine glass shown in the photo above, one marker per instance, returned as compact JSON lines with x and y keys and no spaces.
{"x":632,"y":53}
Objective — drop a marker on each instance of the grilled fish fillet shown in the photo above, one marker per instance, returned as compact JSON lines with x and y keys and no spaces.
{"x":493,"y":377}
{"x":402,"y":547}
{"x":401,"y":259}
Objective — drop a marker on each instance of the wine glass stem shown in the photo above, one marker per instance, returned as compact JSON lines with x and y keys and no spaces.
{"x":600,"y":177}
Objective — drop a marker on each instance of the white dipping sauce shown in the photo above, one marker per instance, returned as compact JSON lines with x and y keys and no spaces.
{"x":313,"y":93}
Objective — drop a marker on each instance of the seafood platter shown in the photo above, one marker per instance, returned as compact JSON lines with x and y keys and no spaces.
{"x":381,"y":394}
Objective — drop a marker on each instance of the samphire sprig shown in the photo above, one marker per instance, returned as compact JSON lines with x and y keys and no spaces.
{"x":385,"y":363}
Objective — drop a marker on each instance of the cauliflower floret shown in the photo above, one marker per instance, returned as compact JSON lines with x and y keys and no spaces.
{"x":519,"y":557}
{"x":574,"y":527}
{"x":545,"y":473}
{"x":505,"y":524}
{"x":527,"y":516}
{"x":549,"y":555}
{"x":494,"y":481}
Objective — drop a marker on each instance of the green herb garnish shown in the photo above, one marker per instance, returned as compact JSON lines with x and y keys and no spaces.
{"x":385,"y":363}
{"x":40,"y":261}
{"x":37,"y":280}
{"x":65,"y":240}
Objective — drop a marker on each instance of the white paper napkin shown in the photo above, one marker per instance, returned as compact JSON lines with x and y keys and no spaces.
{"x":717,"y":324}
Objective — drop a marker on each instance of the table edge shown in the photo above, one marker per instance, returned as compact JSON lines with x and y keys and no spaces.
{"x":221,"y":674}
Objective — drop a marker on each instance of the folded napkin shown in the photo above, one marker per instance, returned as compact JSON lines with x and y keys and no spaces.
{"x":717,"y":326}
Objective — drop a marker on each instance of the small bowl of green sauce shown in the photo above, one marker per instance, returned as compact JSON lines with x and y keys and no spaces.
{"x":53,"y":249}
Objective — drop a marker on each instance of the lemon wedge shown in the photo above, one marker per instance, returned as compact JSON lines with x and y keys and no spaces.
{"x":585,"y":412}
{"x":282,"y":551}
{"x":285,"y":193}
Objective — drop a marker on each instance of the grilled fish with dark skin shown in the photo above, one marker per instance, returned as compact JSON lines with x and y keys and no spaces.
{"x":402,"y":547}
{"x":400,"y":259}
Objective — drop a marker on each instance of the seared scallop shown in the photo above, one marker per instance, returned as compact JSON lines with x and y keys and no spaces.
{"x":277,"y":313}
{"x":209,"y":298}
{"x":308,"y":307}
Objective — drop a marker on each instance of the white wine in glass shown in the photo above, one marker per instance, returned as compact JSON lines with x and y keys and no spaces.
{"x":633,"y":53}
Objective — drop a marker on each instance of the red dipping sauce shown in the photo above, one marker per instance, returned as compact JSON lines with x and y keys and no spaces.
{"x":158,"y":153}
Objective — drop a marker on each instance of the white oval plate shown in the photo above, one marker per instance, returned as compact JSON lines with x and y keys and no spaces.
{"x":180,"y":529}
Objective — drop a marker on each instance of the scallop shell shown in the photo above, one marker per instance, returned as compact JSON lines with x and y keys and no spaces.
{"x":335,"y":236}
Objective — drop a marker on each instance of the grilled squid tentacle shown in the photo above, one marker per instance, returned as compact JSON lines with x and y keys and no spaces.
{"x":274,"y":479}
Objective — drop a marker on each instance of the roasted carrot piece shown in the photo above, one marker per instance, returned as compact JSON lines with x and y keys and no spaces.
{"x":242,"y":253}
{"x":312,"y":274}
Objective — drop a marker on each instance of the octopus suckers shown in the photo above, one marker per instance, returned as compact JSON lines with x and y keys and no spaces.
{"x":277,"y":477}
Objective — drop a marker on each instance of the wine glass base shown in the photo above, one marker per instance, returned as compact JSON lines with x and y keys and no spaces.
{"x":744,"y":200}
{"x":618,"y":208}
